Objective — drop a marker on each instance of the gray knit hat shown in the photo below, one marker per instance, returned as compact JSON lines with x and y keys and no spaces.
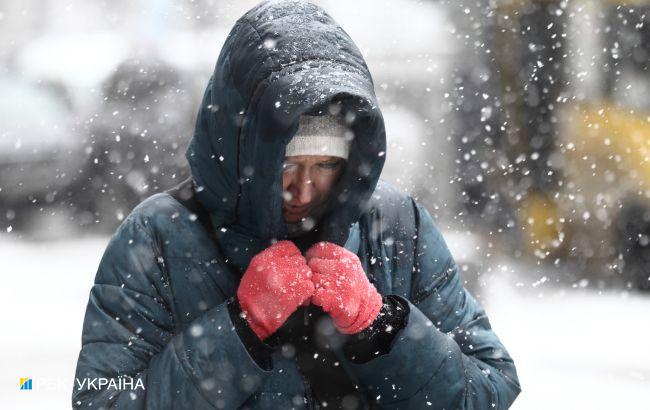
{"x":321,"y":135}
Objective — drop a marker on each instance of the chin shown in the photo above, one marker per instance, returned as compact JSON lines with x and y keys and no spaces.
{"x":293,"y":219}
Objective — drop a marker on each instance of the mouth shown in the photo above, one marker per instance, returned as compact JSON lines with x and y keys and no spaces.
{"x":296,"y":209}
{"x":295,"y":213}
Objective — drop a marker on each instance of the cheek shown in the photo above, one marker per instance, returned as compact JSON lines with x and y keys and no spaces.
{"x":287,"y":177}
{"x":324,"y":182}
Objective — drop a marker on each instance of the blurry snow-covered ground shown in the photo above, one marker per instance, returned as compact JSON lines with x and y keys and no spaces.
{"x":574,"y":348}
{"x":45,"y":288}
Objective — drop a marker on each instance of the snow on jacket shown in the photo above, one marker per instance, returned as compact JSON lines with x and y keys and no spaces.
{"x":157,"y":311}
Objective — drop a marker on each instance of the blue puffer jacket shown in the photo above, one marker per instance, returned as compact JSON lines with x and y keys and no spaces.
{"x":157,"y":312}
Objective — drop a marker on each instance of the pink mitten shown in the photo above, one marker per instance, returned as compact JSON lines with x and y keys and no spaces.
{"x":342,"y":288}
{"x":276,"y":282}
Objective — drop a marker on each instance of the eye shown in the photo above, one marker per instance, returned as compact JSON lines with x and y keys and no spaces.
{"x":330,"y":164}
{"x":288,"y":166}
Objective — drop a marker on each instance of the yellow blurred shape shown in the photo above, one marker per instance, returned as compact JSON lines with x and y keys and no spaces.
{"x":542,"y":222}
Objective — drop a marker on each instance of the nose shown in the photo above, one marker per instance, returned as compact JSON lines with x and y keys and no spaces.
{"x":304,"y":188}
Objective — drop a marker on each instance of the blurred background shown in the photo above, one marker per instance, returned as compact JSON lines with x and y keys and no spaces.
{"x":523,"y":126}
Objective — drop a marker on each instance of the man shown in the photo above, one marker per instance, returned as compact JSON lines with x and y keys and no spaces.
{"x":287,"y":275}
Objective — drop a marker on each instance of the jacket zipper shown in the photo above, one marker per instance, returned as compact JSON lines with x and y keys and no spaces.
{"x":308,"y":392}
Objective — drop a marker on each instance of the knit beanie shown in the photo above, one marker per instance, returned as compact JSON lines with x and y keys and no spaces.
{"x":321,"y":135}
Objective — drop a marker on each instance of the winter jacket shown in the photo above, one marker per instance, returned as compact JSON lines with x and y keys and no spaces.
{"x":158,"y":312}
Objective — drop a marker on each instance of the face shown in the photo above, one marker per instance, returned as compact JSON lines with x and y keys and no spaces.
{"x":307,"y":181}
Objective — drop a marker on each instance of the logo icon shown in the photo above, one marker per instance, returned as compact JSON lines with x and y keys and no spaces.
{"x":25,"y":383}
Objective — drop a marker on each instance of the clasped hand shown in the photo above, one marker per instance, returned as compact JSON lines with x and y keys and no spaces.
{"x":280,"y":279}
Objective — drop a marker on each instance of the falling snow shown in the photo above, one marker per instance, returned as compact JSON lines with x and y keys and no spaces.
{"x":524,"y":130}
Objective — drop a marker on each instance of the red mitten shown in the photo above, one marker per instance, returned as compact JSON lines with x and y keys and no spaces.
{"x":276,"y":282}
{"x":342,"y":287}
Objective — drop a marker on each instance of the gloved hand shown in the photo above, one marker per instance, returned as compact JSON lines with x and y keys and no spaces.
{"x":342,"y":287}
{"x":276,"y":282}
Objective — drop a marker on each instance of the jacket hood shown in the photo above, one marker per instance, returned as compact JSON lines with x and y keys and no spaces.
{"x":282,"y":59}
